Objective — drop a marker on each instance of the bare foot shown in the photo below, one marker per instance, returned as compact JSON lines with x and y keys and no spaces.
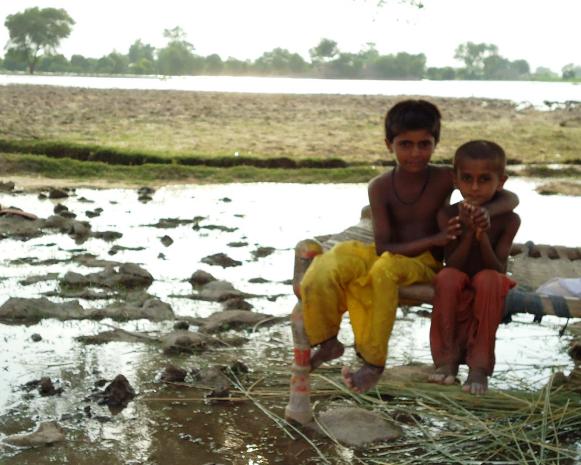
{"x":363,"y":379}
{"x":444,"y":375}
{"x":476,"y":383}
{"x":327,"y":351}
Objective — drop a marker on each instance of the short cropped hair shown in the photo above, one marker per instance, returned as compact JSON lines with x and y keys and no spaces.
{"x":481,"y":150}
{"x":411,"y":115}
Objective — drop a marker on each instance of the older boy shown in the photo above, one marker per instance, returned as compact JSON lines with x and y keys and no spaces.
{"x":364,"y":278}
{"x":470,"y":291}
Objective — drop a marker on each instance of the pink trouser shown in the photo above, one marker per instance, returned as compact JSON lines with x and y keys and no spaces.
{"x":466,"y":314}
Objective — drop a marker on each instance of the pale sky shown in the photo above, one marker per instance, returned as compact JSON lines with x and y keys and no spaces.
{"x":543,"y":32}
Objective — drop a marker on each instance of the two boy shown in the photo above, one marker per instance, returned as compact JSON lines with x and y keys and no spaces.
{"x":364,"y":279}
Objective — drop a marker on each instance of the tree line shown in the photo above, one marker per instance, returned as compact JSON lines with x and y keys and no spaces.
{"x":35,"y":35}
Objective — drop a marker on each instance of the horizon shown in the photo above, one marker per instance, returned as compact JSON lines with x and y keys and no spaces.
{"x":353,"y":24}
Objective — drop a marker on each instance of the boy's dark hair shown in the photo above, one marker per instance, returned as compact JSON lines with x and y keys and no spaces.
{"x":481,"y":150}
{"x":411,"y":115}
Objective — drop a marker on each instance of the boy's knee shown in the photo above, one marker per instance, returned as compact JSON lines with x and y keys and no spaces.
{"x":485,"y":279}
{"x":450,"y":279}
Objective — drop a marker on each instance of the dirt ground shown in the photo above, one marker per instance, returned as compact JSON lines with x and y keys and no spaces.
{"x":303,"y":126}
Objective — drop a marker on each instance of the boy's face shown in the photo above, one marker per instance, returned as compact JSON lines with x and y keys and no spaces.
{"x":478,"y":180}
{"x":412,"y":149}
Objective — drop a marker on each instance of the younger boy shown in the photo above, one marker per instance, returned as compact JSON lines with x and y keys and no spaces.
{"x":364,"y":279}
{"x":470,"y":291}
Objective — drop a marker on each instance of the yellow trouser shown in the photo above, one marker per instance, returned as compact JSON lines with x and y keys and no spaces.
{"x":351,"y":276}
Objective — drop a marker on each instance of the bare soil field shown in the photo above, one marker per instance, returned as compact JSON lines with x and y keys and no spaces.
{"x":177,"y":123}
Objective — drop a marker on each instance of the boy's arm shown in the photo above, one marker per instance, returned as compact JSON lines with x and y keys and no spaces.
{"x":382,"y":228}
{"x":496,"y":258}
{"x":503,"y":202}
{"x":456,"y":251}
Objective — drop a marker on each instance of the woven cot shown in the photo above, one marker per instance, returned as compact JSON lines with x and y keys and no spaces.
{"x":530,"y":265}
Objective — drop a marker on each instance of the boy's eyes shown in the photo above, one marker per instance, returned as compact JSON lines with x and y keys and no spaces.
{"x":481,"y":179}
{"x":424,"y":144}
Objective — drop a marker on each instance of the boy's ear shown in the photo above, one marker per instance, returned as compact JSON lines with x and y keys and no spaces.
{"x":501,"y":182}
{"x":389,"y":145}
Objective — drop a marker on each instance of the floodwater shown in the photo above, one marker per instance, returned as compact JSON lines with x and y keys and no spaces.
{"x":172,"y":424}
{"x":521,"y":92}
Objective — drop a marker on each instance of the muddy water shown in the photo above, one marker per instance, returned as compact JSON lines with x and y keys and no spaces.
{"x":173,"y":424}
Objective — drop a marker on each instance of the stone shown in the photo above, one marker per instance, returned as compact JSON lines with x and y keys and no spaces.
{"x":357,"y":427}
{"x":48,"y":432}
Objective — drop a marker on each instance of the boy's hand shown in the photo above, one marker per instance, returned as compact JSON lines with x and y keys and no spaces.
{"x":465,"y":214}
{"x":481,"y":218}
{"x":451,"y":233}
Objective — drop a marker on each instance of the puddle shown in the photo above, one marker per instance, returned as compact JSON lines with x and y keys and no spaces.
{"x":168,"y":423}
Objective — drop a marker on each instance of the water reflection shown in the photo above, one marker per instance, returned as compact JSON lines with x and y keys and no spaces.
{"x":169,"y":424}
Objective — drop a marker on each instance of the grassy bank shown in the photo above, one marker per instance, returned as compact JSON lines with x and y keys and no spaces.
{"x":221,"y":137}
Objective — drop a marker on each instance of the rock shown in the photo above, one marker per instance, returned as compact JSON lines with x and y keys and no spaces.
{"x":237,"y":244}
{"x":32,"y":310}
{"x":258,"y":280}
{"x":236,"y":303}
{"x":200,"y":278}
{"x":182,"y":341}
{"x":575,"y":350}
{"x":47,"y":432}
{"x":181,"y":325}
{"x":232,"y":319}
{"x":6,"y":186}
{"x":46,"y":388}
{"x":218,"y":291}
{"x":221,"y":259}
{"x":115,"y":335}
{"x":357,"y":427}
{"x":215,"y":379}
{"x":166,"y":240}
{"x":262,"y":252}
{"x":36,"y":337}
{"x":59,"y":208}
{"x":129,"y":276}
{"x":412,"y":373}
{"x":143,"y":306}
{"x":146,"y":190}
{"x":117,"y":394}
{"x":107,"y":236}
{"x":57,"y":194}
{"x":173,"y":374}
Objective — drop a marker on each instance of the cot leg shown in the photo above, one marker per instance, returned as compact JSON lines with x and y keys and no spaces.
{"x":299,"y":408}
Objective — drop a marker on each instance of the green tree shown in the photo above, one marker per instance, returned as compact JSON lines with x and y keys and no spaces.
{"x":280,"y":61}
{"x":177,"y":57}
{"x":324,"y":52}
{"x":139,"y":51}
{"x":473,"y":56}
{"x":214,"y":64}
{"x":56,"y":63}
{"x":35,"y":30}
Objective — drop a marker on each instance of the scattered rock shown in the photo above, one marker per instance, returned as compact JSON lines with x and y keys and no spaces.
{"x":47,"y":432}
{"x":258,"y":280}
{"x":237,"y":244}
{"x":129,"y":276}
{"x":236,"y":303}
{"x":107,"y":236}
{"x":36,"y":337}
{"x":200,"y":278}
{"x":6,"y":186}
{"x":166,"y":240}
{"x":117,"y":394}
{"x":18,"y":309}
{"x":261,"y":252}
{"x":46,"y":387}
{"x":173,"y":374}
{"x":181,"y":325}
{"x":218,"y":291}
{"x":221,"y":259}
{"x":357,"y":427}
{"x":181,"y":341}
{"x":233,"y":319}
{"x":57,"y":194}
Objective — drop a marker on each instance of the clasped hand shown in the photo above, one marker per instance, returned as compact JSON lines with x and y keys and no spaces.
{"x":474,"y":218}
